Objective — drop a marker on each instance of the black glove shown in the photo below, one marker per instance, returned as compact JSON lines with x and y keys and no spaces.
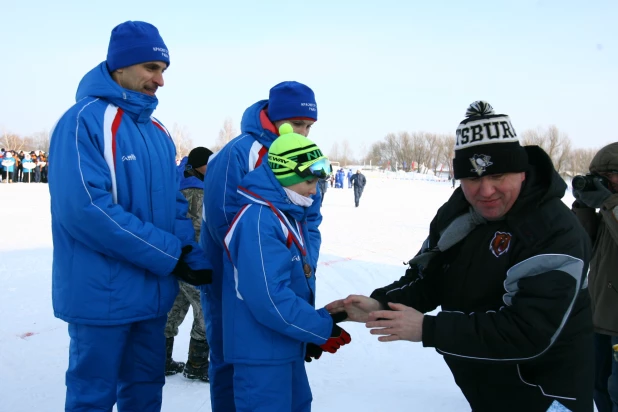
{"x":185,"y":273}
{"x":313,"y":352}
{"x":339,"y":317}
{"x":338,"y":336}
{"x":593,"y":198}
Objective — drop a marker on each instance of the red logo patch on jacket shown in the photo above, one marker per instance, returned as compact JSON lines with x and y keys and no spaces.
{"x":500,"y":243}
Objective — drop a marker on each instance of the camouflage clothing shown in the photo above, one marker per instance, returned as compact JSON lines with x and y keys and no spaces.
{"x":195,"y":197}
{"x":189,"y":295}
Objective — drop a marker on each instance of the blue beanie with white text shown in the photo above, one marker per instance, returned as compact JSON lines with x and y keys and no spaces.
{"x":134,"y":42}
{"x":291,"y":100}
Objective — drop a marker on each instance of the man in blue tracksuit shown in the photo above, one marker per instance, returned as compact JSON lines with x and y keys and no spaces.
{"x":119,"y":228}
{"x":290,"y":102}
{"x":340,"y":178}
{"x":270,"y":324}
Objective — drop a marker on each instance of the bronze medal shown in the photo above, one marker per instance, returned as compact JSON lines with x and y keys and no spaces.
{"x":307,"y":270}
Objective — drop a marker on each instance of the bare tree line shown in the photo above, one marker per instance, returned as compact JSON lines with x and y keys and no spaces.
{"x":182,"y":140}
{"x":36,"y":141}
{"x":342,"y":152}
{"x":184,"y":143}
{"x":418,"y":151}
{"x":226,"y":133}
{"x":422,"y":151}
{"x":40,"y":141}
{"x":567,"y":160}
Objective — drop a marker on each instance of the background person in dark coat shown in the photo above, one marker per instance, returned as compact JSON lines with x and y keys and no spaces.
{"x":359,"y":181}
{"x":37,"y":170}
{"x":191,"y":171}
{"x":323,"y":185}
{"x":602,"y":227}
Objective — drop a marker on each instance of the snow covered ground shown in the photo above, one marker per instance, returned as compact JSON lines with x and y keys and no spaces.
{"x":362,"y":248}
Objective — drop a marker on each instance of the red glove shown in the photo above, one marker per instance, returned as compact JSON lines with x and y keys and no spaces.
{"x":338,"y":338}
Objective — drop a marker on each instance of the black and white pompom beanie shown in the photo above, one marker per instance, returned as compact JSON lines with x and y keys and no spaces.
{"x":487,"y":144}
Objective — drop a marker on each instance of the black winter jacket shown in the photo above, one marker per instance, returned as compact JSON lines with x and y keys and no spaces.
{"x":359,"y":180}
{"x":515,"y":327}
{"x":603,"y":230}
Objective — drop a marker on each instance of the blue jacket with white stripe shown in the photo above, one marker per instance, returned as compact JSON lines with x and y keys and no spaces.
{"x":118,"y":218}
{"x":268,"y":302}
{"x":225,"y":171}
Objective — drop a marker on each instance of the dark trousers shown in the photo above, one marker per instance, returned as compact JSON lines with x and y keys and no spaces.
{"x":358,"y":192}
{"x":606,"y":373}
{"x":37,"y":174}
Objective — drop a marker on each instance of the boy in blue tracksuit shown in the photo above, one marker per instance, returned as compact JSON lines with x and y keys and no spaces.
{"x":269,"y":321}
{"x":119,"y":228}
{"x":290,"y":102}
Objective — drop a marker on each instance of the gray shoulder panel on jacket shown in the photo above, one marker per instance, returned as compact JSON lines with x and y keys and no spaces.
{"x":538,"y":265}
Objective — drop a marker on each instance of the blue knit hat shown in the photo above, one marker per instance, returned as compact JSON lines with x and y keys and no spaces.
{"x":134,"y":42}
{"x":291,"y":100}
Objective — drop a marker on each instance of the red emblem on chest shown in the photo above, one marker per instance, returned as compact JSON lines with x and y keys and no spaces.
{"x":500,"y":243}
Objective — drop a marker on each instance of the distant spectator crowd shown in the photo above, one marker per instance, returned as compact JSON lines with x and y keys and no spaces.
{"x":25,"y":167}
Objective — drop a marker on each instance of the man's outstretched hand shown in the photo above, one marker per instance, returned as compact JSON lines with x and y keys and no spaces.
{"x":357,"y":307}
{"x":400,"y":323}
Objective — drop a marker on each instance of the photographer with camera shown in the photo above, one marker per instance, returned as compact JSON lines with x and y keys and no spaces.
{"x":599,"y":190}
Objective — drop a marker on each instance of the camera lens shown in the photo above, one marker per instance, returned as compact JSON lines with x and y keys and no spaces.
{"x":579,"y":182}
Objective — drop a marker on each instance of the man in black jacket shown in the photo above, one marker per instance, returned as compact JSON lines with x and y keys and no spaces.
{"x":506,"y":260}
{"x":359,"y":181}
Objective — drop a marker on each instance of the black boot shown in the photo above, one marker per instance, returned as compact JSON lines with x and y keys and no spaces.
{"x":171,"y":366}
{"x":197,"y":364}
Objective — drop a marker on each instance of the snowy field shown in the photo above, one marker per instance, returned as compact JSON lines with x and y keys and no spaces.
{"x":362,"y":248}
